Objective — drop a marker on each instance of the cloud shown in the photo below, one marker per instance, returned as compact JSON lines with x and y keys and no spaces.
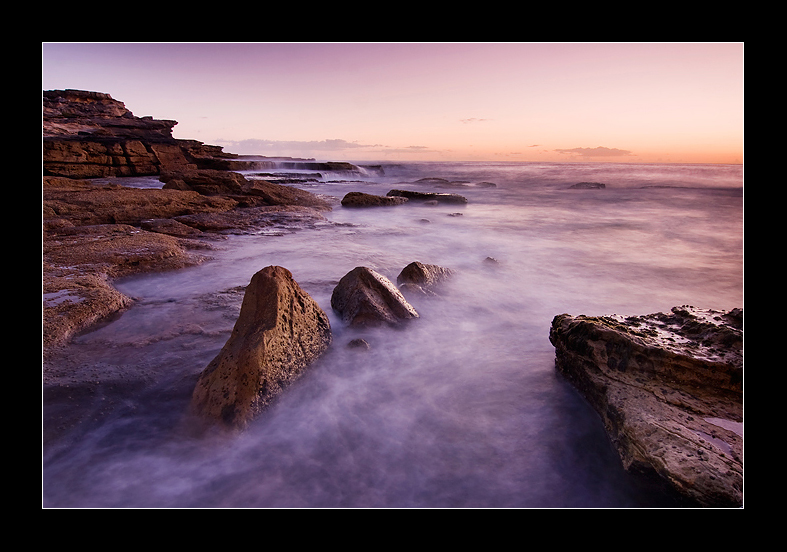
{"x":473,"y":120}
{"x":600,"y":151}
{"x":304,"y":146}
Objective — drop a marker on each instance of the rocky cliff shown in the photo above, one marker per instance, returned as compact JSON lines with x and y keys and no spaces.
{"x":91,"y":135}
{"x":669,"y":389}
{"x":94,"y":232}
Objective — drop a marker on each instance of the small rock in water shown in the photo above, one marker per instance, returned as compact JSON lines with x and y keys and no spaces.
{"x":359,"y":344}
{"x":588,"y":186}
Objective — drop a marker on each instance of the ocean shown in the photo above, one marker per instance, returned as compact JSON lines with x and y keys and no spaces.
{"x":463,"y":408}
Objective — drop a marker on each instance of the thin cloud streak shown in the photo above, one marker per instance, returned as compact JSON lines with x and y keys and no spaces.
{"x":599,"y":151}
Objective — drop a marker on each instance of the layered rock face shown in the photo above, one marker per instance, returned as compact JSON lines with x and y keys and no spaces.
{"x":279,"y":332}
{"x":94,"y":232}
{"x":668,"y":388}
{"x":91,"y":135}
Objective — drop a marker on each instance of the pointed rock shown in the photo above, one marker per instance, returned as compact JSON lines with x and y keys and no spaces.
{"x":279,"y":332}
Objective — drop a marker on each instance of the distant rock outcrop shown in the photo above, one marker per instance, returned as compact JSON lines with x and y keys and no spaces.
{"x":280,"y":331}
{"x":588,"y":186}
{"x":364,"y":297}
{"x":668,"y":388}
{"x":428,"y":196}
{"x":360,"y":199}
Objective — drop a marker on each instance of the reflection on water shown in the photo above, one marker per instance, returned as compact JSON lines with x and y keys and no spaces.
{"x":463,"y":408}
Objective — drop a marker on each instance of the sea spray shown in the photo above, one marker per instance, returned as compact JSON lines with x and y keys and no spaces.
{"x":463,"y":408}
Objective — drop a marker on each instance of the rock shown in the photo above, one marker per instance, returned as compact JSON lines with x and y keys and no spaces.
{"x":84,"y":203}
{"x":73,"y":302}
{"x":359,"y":199}
{"x":422,"y":278}
{"x":91,"y":135}
{"x":428,"y":196}
{"x":358,"y":343}
{"x":588,"y":186}
{"x":669,"y":390}
{"x":252,"y":220}
{"x":280,"y":331}
{"x":364,"y":297}
{"x":205,"y":181}
{"x":233,"y":185}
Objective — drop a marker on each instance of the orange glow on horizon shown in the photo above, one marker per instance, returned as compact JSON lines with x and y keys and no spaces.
{"x":594,"y":102}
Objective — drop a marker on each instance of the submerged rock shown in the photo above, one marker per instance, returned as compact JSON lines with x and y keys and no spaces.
{"x":422,"y":278}
{"x":360,"y":199}
{"x":588,"y":186}
{"x":364,"y":297}
{"x":280,"y":331}
{"x":669,"y":389}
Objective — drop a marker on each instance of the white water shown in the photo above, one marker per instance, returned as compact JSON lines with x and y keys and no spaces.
{"x":461,"y":409}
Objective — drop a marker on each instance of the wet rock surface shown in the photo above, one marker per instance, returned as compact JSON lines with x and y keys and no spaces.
{"x":360,"y":199}
{"x":422,"y":278}
{"x":366,"y":298}
{"x":280,"y":331}
{"x":94,"y":231}
{"x":429,"y":196}
{"x":669,"y":389}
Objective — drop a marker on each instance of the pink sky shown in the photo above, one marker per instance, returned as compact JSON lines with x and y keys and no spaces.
{"x":621,"y":102}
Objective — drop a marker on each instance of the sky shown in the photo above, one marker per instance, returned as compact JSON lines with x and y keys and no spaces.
{"x":538,"y":102}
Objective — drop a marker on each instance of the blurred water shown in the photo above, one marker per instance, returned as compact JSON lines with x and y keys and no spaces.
{"x":463,"y":408}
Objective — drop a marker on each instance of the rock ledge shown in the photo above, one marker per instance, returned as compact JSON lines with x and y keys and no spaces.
{"x":669,"y":390}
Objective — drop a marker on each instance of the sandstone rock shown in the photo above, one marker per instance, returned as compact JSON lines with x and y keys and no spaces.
{"x":206,"y":181}
{"x":422,"y":278}
{"x":277,"y":194}
{"x":85,"y":203}
{"x":73,"y":302}
{"x":364,"y":297}
{"x":668,"y":388}
{"x":79,"y":261}
{"x":360,"y":199}
{"x":252,"y":220}
{"x":235,"y":186}
{"x":428,"y":196}
{"x":280,"y":331}
{"x":91,"y":135}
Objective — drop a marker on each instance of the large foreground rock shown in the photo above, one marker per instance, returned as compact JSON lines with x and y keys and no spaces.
{"x":364,"y":297}
{"x":280,"y":331}
{"x":668,"y":388}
